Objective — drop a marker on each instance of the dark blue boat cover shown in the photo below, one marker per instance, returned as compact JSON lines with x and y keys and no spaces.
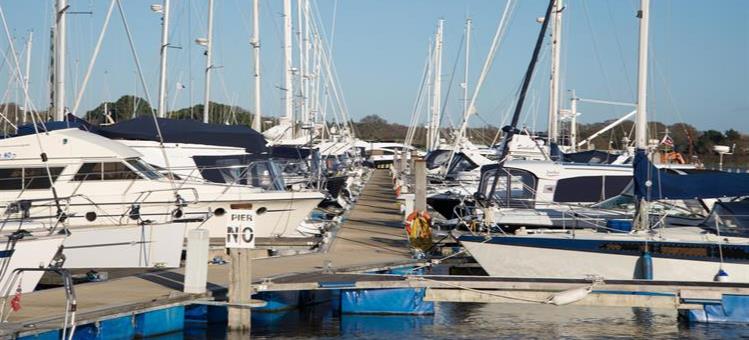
{"x":584,"y":157}
{"x":666,"y":184}
{"x":186,"y":131}
{"x":71,"y":122}
{"x":290,"y":151}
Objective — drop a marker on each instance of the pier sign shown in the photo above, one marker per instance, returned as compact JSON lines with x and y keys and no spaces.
{"x":240,"y":229}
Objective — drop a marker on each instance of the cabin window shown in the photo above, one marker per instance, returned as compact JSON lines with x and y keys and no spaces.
{"x":11,"y":179}
{"x":117,"y":171}
{"x":28,"y":178}
{"x":590,"y":188}
{"x":37,"y":178}
{"x":515,"y":188}
{"x":107,"y":171}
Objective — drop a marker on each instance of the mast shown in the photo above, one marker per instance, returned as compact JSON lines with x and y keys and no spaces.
{"x":255,"y":42}
{"x":641,"y":120}
{"x":436,"y":89}
{"x":26,"y":77}
{"x":162,"y":65}
{"x":288,"y":71}
{"x":208,"y":66}
{"x":465,"y":71}
{"x":573,"y":121}
{"x":307,"y":46}
{"x":58,"y":96}
{"x":556,"y":44}
{"x":511,"y":130}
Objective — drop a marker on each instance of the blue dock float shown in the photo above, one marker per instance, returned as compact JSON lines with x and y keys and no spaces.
{"x":729,"y":309}
{"x":386,"y":301}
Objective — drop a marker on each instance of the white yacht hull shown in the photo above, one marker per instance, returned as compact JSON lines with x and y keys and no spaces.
{"x":125,"y":246}
{"x":284,"y":211}
{"x":280,"y":219}
{"x":536,"y":262}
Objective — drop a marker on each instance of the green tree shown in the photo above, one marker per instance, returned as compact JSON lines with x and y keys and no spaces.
{"x":124,"y":108}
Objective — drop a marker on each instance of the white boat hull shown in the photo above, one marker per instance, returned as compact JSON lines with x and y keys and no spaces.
{"x":522,"y":261}
{"x":125,"y":246}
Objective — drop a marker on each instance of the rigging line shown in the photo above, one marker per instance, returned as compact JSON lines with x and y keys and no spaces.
{"x":333,"y":24}
{"x":415,"y":113}
{"x":43,"y":155}
{"x":496,"y":42}
{"x":452,"y":78}
{"x":169,"y":176}
{"x":595,"y":52}
{"x":94,"y":56}
{"x":619,"y":50}
{"x":510,"y":130}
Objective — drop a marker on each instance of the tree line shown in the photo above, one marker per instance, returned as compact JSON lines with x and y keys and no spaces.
{"x":686,"y":138}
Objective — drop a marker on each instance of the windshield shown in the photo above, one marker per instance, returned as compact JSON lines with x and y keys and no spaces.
{"x":144,"y":169}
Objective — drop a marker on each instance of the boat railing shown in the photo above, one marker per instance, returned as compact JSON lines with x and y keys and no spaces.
{"x":71,"y":304}
{"x":180,"y":200}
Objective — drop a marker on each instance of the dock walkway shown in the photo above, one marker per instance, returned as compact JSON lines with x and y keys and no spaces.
{"x":372,"y":236}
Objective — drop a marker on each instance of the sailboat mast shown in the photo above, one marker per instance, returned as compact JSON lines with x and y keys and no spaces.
{"x":306,"y":76}
{"x":436,"y":89}
{"x":208,"y":65}
{"x":288,"y":71}
{"x":465,"y":70}
{"x":27,"y":71}
{"x":58,"y":96}
{"x":255,"y":42}
{"x":641,"y":120}
{"x":162,"y":65}
{"x":556,"y":44}
{"x":573,"y":121}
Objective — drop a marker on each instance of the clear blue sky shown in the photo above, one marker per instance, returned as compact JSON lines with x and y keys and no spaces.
{"x":699,"y":73}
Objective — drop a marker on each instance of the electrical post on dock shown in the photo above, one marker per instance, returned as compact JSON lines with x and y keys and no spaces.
{"x":420,"y":185}
{"x":240,"y":240}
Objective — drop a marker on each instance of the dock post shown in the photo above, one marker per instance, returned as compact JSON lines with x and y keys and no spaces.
{"x":396,"y":161}
{"x":420,"y":183}
{"x":196,"y":266}
{"x":240,"y":240}
{"x":403,"y":161}
{"x":240,"y":281}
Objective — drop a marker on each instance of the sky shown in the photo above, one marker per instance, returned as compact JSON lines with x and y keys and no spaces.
{"x":699,"y":70}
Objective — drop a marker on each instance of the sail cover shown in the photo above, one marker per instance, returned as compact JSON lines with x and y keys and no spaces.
{"x":186,"y":131}
{"x":654,"y":184}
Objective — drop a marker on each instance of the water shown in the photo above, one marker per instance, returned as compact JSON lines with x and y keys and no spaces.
{"x":474,"y":321}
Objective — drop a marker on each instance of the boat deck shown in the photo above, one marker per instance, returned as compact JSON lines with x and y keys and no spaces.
{"x":371,"y":237}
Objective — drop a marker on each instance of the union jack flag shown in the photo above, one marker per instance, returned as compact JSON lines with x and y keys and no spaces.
{"x":667,"y":141}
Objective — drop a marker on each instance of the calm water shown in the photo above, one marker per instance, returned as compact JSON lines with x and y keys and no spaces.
{"x":475,"y":321}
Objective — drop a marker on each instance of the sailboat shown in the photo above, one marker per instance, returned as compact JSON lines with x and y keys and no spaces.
{"x":649,"y":251}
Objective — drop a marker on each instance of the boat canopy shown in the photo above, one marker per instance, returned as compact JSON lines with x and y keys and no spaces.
{"x":186,"y":131}
{"x":729,"y":217}
{"x":583,"y":157}
{"x":172,"y":131}
{"x":654,"y":184}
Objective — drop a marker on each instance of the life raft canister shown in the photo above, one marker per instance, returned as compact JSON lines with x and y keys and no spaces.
{"x":419,"y":229}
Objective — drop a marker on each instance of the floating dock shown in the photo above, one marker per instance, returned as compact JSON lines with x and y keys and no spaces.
{"x":368,"y":260}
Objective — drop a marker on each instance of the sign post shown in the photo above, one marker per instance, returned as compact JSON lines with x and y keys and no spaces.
{"x":240,"y":239}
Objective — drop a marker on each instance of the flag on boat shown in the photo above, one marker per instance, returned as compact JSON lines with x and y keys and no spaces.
{"x":667,"y":141}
